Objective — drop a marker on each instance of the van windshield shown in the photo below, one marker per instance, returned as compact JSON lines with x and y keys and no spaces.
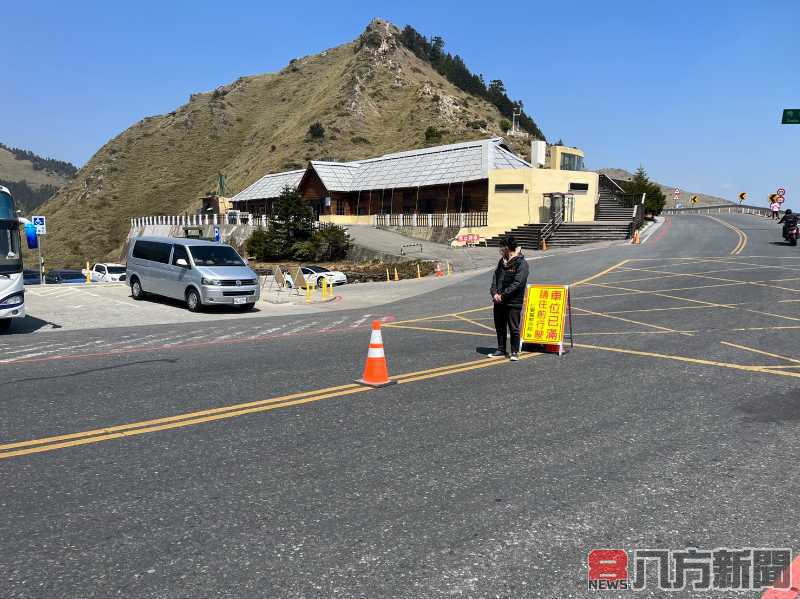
{"x":215,"y":255}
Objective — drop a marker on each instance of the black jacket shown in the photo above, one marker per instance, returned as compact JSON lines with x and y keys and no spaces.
{"x":789,"y":219}
{"x":509,"y":281}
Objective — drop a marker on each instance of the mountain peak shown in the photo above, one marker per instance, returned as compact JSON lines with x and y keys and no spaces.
{"x":380,"y":36}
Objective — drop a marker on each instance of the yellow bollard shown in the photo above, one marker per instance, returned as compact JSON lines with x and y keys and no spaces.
{"x":88,"y":274}
{"x":396,"y":277}
{"x":419,"y":274}
{"x":387,"y":276}
{"x":325,"y":288}
{"x":448,"y":269}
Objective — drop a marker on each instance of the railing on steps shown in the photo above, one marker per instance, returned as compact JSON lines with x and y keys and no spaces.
{"x":432,"y":221}
{"x":551,"y":227}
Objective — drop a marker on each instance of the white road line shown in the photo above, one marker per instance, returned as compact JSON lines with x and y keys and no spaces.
{"x":360,"y":321}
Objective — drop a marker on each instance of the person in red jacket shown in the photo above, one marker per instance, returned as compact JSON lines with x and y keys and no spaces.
{"x":508,"y":294}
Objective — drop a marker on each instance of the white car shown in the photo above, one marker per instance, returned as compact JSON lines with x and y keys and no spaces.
{"x":107,"y":272}
{"x":315,"y":274}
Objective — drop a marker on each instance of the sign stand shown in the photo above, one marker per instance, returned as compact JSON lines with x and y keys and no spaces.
{"x":547,"y":318}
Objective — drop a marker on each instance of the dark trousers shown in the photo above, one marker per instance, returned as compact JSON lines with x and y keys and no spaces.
{"x":507,"y":318}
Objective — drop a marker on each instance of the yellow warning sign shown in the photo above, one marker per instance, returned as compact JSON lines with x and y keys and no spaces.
{"x":544,"y":314}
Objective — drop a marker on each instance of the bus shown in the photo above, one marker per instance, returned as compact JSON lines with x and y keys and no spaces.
{"x":12,"y":290}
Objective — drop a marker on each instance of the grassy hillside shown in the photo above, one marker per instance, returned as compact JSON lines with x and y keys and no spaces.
{"x":372,"y":96}
{"x":32,"y":179}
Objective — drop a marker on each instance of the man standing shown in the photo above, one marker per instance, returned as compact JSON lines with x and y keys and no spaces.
{"x":508,"y":293}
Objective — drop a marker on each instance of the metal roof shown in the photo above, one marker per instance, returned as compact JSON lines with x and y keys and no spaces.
{"x":270,"y":186}
{"x":439,"y":165}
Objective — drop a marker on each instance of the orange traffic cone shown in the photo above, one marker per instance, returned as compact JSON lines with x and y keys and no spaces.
{"x":376,"y":371}
{"x":636,"y":240}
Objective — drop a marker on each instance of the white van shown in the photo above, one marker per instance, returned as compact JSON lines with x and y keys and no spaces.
{"x":196,"y":271}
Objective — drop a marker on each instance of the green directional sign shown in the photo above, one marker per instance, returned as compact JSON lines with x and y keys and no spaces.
{"x":791,"y":116}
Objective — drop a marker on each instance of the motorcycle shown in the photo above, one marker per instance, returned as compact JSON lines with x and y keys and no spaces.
{"x":792,"y":233}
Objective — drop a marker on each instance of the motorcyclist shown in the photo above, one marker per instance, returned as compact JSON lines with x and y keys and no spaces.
{"x":789,"y":220}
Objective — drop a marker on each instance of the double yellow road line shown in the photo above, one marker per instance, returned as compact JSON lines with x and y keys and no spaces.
{"x":10,"y":450}
{"x":742,"y":235}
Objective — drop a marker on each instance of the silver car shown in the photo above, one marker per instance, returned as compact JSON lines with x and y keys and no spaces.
{"x":196,"y":271}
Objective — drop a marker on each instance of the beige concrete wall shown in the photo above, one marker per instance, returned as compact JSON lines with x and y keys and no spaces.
{"x":550,"y":181}
{"x":508,"y":210}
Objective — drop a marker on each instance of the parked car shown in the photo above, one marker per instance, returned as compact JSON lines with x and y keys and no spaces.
{"x":315,"y":274}
{"x":106,"y":272}
{"x":199,"y":272}
{"x":31,"y":277}
{"x":63,"y":275}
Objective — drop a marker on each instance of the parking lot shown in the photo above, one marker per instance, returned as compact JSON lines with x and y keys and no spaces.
{"x":105,"y":305}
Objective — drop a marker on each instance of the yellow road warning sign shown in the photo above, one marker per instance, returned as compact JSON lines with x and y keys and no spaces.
{"x":695,"y":199}
{"x":544,"y":314}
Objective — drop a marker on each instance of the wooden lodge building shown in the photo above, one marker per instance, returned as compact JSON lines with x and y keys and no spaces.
{"x":439,"y":180}
{"x":477,"y":187}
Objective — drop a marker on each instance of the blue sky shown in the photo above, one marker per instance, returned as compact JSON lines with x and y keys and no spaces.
{"x":691,"y":90}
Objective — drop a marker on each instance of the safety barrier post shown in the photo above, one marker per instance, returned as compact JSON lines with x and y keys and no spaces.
{"x":448,"y":268}
{"x":396,"y":277}
{"x":387,"y":276}
{"x":419,"y":274}
{"x":88,"y":274}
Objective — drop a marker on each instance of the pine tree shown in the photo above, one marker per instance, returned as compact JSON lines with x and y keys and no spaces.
{"x":641,"y":183}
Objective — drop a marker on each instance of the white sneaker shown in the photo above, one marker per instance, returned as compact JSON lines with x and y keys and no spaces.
{"x":497,"y":354}
{"x":514,"y":357}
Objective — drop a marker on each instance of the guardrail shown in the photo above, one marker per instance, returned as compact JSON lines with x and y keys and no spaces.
{"x":452,"y":219}
{"x":236,"y":218}
{"x":720,"y":209}
{"x":409,"y":245}
{"x":199,"y":220}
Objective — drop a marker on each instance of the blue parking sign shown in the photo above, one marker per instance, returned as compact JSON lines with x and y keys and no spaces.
{"x":217,"y":234}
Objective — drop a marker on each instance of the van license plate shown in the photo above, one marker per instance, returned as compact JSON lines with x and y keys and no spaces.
{"x":240,"y":300}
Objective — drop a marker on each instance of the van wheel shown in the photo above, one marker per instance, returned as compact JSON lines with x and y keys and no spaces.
{"x":137,"y":292}
{"x":5,"y":324}
{"x":193,"y":300}
{"x":319,"y":282}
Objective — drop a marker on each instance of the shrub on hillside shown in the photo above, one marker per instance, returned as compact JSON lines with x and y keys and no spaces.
{"x":316,"y":130}
{"x":432,"y":134}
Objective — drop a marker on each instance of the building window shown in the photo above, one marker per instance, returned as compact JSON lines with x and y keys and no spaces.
{"x":339,"y":207}
{"x":578,"y":187}
{"x":571,"y":162}
{"x":509,"y":188}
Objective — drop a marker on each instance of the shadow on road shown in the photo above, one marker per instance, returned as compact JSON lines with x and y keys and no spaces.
{"x":92,"y":370}
{"x":221,"y":309}
{"x":29,"y":324}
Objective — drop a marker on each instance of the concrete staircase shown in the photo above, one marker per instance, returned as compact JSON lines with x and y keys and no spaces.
{"x":526,"y":235}
{"x":609,"y":208}
{"x":571,"y":234}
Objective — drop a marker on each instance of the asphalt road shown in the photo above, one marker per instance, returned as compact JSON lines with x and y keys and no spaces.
{"x":239,"y":460}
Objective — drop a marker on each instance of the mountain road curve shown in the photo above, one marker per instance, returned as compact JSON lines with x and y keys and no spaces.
{"x":239,"y":459}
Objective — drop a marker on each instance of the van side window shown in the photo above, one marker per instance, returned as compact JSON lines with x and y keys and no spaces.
{"x":179,"y":252}
{"x":154,"y":251}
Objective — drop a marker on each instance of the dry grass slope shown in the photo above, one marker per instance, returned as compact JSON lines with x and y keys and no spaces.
{"x":372,"y":96}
